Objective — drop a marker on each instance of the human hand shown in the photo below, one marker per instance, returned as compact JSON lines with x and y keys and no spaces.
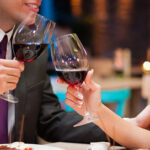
{"x":88,"y":93}
{"x":10,"y":71}
{"x":143,"y":118}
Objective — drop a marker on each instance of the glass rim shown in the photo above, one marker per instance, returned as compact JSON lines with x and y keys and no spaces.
{"x":65,"y":36}
{"x":48,"y":20}
{"x":24,"y":22}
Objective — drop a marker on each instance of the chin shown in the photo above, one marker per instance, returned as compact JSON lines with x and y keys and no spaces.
{"x":27,"y":18}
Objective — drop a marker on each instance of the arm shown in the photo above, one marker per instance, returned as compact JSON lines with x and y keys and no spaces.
{"x":120,"y":130}
{"x":56,"y":124}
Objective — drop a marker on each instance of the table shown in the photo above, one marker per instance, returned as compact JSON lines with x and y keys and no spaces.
{"x":65,"y":145}
{"x":70,"y":146}
{"x":77,"y":146}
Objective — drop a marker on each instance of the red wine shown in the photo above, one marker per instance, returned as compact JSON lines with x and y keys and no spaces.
{"x":28,"y":52}
{"x":72,"y":76}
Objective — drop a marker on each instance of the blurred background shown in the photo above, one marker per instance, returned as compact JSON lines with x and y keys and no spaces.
{"x":116,"y":35}
{"x":104,"y":25}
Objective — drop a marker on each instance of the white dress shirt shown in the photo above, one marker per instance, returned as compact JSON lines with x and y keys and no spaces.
{"x":11,"y":106}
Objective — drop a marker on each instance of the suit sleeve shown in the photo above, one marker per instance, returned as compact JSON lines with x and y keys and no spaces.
{"x":55,"y":124}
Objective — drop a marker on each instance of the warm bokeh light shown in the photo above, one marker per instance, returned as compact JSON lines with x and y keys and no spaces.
{"x":76,"y":6}
{"x":146,"y":66}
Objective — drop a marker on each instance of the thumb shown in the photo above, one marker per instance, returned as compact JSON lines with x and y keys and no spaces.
{"x":89,"y":83}
{"x":88,"y":79}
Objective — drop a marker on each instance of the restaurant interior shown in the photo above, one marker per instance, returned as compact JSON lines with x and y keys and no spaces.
{"x":115,"y":34}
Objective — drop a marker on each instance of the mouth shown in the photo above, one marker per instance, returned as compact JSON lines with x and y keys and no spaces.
{"x":33,"y":7}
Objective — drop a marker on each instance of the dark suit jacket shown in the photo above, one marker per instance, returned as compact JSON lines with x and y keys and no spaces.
{"x":43,"y":114}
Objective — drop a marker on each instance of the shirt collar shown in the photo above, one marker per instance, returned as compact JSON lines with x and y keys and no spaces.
{"x":9,"y":34}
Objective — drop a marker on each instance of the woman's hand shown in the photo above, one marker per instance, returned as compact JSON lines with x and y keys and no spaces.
{"x":88,"y":93}
{"x":143,"y":118}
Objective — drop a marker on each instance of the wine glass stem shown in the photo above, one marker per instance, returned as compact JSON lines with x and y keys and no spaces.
{"x":86,"y":113}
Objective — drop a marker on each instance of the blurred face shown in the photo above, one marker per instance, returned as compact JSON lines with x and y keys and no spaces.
{"x":14,"y":11}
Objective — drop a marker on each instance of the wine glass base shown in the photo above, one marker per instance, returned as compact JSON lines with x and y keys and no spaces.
{"x":86,"y":119}
{"x":9,"y":97}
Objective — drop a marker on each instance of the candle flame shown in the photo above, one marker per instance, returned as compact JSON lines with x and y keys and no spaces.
{"x":146,"y":66}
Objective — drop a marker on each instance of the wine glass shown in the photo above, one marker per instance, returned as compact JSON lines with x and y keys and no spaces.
{"x":30,"y":39}
{"x":71,"y":64}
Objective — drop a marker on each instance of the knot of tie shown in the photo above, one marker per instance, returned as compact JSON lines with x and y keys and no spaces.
{"x":3,"y":46}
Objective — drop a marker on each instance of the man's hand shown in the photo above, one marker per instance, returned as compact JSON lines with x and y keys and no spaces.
{"x":10,"y":71}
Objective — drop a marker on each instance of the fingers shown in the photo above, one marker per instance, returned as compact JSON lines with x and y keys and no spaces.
{"x":11,"y":79}
{"x":72,"y":104}
{"x":61,"y":81}
{"x":11,"y":86}
{"x":10,"y":71}
{"x":5,"y":86}
{"x":74,"y":99}
{"x":89,"y":76}
{"x":12,"y":64}
{"x":72,"y":90}
{"x":7,"y":82}
{"x":89,"y":83}
{"x":11,"y":67}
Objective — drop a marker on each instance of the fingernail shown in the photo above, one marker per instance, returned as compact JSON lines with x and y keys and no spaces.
{"x":92,"y":70}
{"x":80,"y":96}
{"x":80,"y":102}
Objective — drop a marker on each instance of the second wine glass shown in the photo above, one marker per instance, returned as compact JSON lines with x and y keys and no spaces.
{"x":71,"y":64}
{"x":31,"y":38}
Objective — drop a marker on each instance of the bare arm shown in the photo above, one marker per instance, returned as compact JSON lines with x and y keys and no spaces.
{"x":122,"y":131}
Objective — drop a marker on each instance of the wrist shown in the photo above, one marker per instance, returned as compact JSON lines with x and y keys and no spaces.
{"x":98,"y":108}
{"x":98,"y":111}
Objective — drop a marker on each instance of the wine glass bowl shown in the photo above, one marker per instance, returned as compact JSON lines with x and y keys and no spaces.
{"x":70,"y":58}
{"x":30,"y":40}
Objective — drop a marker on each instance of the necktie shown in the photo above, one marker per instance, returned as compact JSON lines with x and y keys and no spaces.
{"x":3,"y":103}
